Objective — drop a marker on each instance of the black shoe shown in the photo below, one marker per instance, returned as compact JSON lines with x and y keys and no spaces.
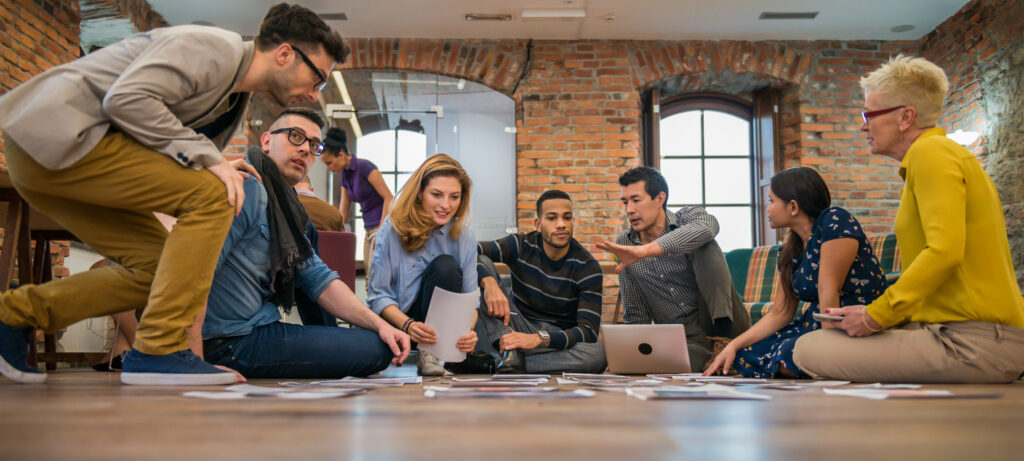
{"x":512,"y":362}
{"x":112,"y":365}
{"x":476,"y":363}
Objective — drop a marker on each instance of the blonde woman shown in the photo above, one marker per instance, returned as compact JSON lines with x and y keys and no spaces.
{"x":956,"y":313}
{"x":425,"y":243}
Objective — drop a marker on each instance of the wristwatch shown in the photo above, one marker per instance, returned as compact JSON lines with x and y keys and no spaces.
{"x":545,"y":338}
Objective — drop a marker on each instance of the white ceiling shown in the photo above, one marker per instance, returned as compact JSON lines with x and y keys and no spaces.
{"x":632,"y":20}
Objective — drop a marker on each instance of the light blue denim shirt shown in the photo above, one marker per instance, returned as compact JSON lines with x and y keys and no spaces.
{"x":395,"y":274}
{"x":240,"y":295}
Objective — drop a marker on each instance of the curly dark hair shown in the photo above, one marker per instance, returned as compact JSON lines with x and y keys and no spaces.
{"x":297,"y":25}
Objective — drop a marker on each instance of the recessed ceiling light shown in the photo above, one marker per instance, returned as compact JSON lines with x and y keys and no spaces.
{"x":902,"y":28}
{"x":788,"y":15}
{"x":553,"y":13}
{"x":333,"y":16}
{"x":488,"y":17}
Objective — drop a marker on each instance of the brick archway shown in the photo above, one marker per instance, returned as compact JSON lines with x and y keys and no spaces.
{"x":495,"y":64}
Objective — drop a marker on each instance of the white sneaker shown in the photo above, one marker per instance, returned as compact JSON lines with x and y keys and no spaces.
{"x":428,"y":365}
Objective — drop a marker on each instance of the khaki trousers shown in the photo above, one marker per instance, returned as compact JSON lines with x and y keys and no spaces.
{"x":107,"y":199}
{"x":369,"y":240}
{"x":957,"y":352}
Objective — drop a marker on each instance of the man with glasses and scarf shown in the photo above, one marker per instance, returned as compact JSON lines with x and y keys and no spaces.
{"x":268,"y":260}
{"x":102,"y":142}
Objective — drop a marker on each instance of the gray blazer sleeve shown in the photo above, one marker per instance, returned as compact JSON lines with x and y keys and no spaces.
{"x":169,"y":72}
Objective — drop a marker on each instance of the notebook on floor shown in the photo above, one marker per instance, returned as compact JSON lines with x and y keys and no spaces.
{"x":643,"y":349}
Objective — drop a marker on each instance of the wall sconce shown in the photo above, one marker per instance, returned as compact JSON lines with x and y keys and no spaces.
{"x":963,"y":138}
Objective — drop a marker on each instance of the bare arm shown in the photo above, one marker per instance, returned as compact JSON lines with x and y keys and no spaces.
{"x":836,"y":258}
{"x":780,"y":314}
{"x":377,"y":181}
{"x":345,"y":205}
{"x":418,"y":331}
{"x":343,"y":304}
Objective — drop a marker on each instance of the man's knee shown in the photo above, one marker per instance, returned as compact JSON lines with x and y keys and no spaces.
{"x":593,"y":357}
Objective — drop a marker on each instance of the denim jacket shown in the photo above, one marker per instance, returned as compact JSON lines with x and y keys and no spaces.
{"x":240,"y":295}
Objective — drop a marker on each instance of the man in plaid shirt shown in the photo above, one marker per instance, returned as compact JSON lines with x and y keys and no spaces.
{"x":671,"y":270}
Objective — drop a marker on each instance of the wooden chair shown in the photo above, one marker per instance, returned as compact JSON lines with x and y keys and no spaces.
{"x":22,"y":225}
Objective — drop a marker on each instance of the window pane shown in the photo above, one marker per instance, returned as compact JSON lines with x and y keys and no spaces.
{"x":402,"y":178}
{"x":389,"y":180}
{"x":728,"y":180}
{"x":412,"y":150}
{"x":734,"y":227}
{"x":379,"y":148}
{"x":725,"y":134}
{"x":680,"y":134}
{"x":683,"y":178}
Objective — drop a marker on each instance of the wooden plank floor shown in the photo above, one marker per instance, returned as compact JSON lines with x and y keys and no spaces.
{"x":81,"y":414}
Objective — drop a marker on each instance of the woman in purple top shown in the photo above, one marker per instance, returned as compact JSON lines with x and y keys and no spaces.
{"x":361,"y":182}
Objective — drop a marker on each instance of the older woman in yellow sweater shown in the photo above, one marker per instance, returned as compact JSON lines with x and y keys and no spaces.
{"x":956,"y":314}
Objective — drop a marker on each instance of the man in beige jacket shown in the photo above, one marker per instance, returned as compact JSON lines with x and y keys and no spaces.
{"x":101,"y":143}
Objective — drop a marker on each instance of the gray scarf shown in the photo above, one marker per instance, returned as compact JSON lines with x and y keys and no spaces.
{"x":287,"y":220}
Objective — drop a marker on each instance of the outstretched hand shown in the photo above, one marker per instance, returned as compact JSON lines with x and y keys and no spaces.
{"x":722,"y":362}
{"x":626,"y":254}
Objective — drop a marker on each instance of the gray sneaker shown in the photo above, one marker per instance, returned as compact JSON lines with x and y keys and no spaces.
{"x":428,"y":365}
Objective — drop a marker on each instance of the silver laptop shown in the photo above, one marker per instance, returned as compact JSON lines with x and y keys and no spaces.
{"x":642,"y":349}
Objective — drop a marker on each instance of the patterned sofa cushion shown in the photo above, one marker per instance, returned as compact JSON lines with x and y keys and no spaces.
{"x":757,"y":287}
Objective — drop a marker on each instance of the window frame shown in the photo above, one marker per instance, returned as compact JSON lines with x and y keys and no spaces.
{"x":725,"y":103}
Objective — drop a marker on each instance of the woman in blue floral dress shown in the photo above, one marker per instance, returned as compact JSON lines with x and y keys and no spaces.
{"x":825,"y":260}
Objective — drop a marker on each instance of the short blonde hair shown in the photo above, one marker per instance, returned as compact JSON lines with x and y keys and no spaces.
{"x":910,"y":81}
{"x":409,"y":220}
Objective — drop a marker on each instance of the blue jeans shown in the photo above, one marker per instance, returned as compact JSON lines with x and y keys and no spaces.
{"x":284,"y":350}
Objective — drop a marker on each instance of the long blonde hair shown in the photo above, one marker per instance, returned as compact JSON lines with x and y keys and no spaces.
{"x":409,"y":220}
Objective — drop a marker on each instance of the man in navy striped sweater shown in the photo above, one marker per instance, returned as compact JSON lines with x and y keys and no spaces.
{"x":549,"y":320}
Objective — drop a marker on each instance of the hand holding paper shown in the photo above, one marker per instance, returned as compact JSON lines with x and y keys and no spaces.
{"x":450,"y":316}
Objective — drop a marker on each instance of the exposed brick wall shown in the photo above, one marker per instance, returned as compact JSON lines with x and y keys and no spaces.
{"x":578,"y":110}
{"x":982,"y":50}
{"x":35,"y":35}
{"x":578,"y":102}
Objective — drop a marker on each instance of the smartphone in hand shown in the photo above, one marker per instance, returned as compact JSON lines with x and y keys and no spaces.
{"x":827,"y":318}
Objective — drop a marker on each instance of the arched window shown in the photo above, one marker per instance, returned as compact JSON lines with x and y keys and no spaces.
{"x":705,"y":153}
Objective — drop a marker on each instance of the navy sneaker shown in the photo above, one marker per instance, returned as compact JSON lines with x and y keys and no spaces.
{"x":182,"y":368}
{"x":13,"y":354}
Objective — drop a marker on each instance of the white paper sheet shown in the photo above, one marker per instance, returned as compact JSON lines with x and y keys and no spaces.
{"x":883,"y":394}
{"x":451,"y":316}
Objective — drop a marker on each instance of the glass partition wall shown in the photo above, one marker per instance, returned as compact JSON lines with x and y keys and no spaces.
{"x":396,"y":119}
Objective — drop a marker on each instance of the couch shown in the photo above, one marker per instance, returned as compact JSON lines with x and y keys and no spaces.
{"x":753,"y":272}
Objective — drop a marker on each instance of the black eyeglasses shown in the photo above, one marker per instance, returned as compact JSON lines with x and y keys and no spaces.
{"x":320,"y":84}
{"x":867,"y":115}
{"x":298,"y":138}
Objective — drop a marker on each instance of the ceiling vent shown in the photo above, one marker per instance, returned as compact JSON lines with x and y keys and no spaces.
{"x":488,"y":17}
{"x":334,"y":17}
{"x":788,"y":15}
